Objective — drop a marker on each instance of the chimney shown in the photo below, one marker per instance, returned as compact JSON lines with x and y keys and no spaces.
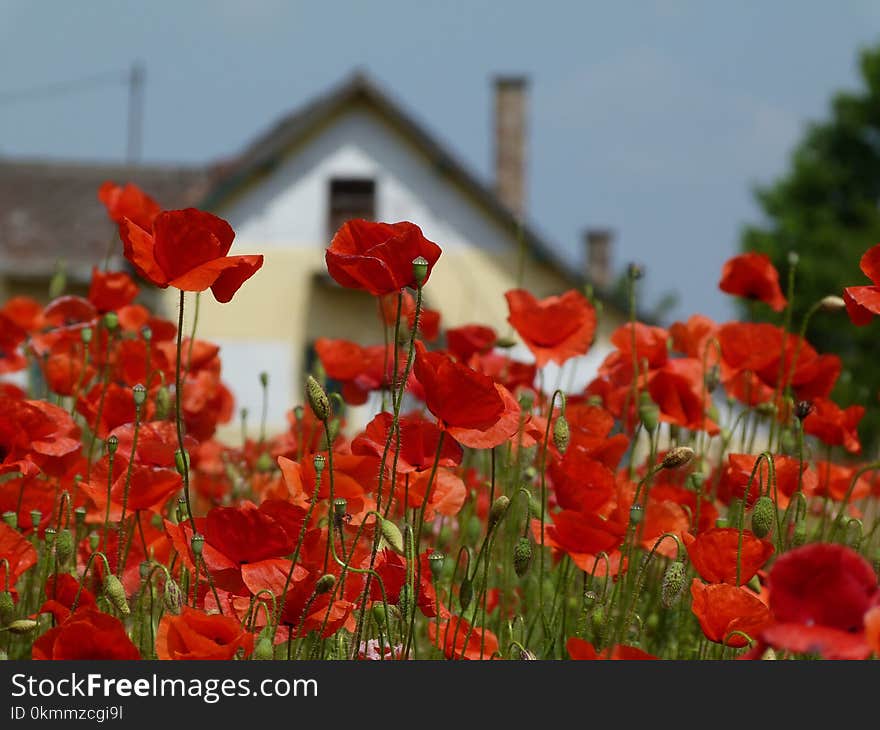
{"x":510,"y":141}
{"x":598,"y":243}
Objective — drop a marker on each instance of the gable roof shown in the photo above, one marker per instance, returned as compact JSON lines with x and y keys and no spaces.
{"x":267,"y":150}
{"x":49,"y":211}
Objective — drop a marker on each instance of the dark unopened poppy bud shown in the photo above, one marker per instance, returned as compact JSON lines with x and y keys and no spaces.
{"x":435,"y":562}
{"x":832,"y":303}
{"x":420,"y":269}
{"x":64,"y":546}
{"x":465,"y":593}
{"x":264,"y":462}
{"x":325,"y":584}
{"x":636,"y":514}
{"x":498,"y":510}
{"x":391,"y":534}
{"x":522,"y":556}
{"x":94,"y":539}
{"x":22,"y":626}
{"x":263,"y":649}
{"x":678,"y":457}
{"x":140,"y":395}
{"x":85,"y":334}
{"x":11,"y":519}
{"x":319,"y":461}
{"x":673,"y":583}
{"x":762,"y":516}
{"x":172,"y":596}
{"x":115,"y":593}
{"x":318,"y":399}
{"x":163,"y":403}
{"x":649,"y":412}
{"x":803,"y":409}
{"x":112,"y":444}
{"x":561,"y":434}
{"x":181,"y":461}
{"x":264,"y":379}
{"x":198,"y":544}
{"x":111,"y":321}
{"x":7,"y":607}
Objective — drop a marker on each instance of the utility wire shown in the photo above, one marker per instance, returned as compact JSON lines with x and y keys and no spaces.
{"x":64,"y":87}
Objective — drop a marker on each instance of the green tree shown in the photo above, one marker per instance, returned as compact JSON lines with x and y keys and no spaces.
{"x":827,"y":210}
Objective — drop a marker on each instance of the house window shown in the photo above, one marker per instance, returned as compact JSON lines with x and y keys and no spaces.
{"x":350,"y":198}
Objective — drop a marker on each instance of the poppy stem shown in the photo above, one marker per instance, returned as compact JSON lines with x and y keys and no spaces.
{"x":178,"y":416}
{"x":134,"y":439}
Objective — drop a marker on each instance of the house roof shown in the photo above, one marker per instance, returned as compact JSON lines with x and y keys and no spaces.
{"x":49,"y":211}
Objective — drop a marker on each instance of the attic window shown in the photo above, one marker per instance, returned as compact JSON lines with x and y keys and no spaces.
{"x":350,"y":198}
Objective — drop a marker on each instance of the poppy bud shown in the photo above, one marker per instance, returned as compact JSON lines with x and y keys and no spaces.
{"x":36,"y":517}
{"x":712,"y":378}
{"x":112,"y":444}
{"x":405,"y":601}
{"x":561,"y":434}
{"x":391,"y":534}
{"x":762,"y":516}
{"x":49,"y":536}
{"x":22,"y":626}
{"x":325,"y":584}
{"x":799,"y":534}
{"x":597,"y":617}
{"x":853,"y":535}
{"x":140,"y":394}
{"x":832,"y":303}
{"x":146,"y":333}
{"x":793,"y":258}
{"x":64,"y":546}
{"x":182,"y":511}
{"x":115,"y":593}
{"x":673,"y":583}
{"x":111,"y":320}
{"x":766,"y":409}
{"x":181,"y":461}
{"x":264,"y":379}
{"x":94,"y":539}
{"x":435,"y":562}
{"x":465,"y":593}
{"x":634,"y":271}
{"x":198,"y":544}
{"x":677,"y":457}
{"x":695,"y":481}
{"x":420,"y":269}
{"x":534,"y":507}
{"x":498,"y":510}
{"x":522,"y":556}
{"x":163,"y":403}
{"x":7,"y":607}
{"x":264,"y":462}
{"x":331,"y":432}
{"x":318,"y":399}
{"x":319,"y":462}
{"x":172,"y":596}
{"x":85,"y":334}
{"x":595,"y":401}
{"x":378,"y":612}
{"x":79,"y":515}
{"x":649,"y":412}
{"x":11,"y":519}
{"x":636,"y":514}
{"x":803,"y":409}
{"x":263,"y":649}
{"x":526,"y":400}
{"x":505,"y":342}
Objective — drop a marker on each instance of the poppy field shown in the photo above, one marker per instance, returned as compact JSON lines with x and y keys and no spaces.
{"x":703,"y":497}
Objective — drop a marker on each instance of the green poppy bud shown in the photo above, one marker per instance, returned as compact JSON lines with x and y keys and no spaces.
{"x":7,"y":607}
{"x":64,"y":546}
{"x":636,"y":514}
{"x":198,"y":544}
{"x":522,"y":556}
{"x":111,"y":321}
{"x":799,"y":534}
{"x":318,"y":399}
{"x":172,"y":597}
{"x":140,"y":395}
{"x":649,"y":412}
{"x":465,"y":593}
{"x":673,"y":583}
{"x":762,"y":516}
{"x":115,"y":593}
{"x":181,"y":461}
{"x":435,"y":562}
{"x":420,"y":269}
{"x":325,"y":584}
{"x":264,"y":462}
{"x":85,"y":335}
{"x":163,"y":403}
{"x":263,"y":649}
{"x":498,"y":510}
{"x":11,"y":519}
{"x":378,"y":612}
{"x":561,"y":434}
{"x":22,"y":626}
{"x":391,"y":534}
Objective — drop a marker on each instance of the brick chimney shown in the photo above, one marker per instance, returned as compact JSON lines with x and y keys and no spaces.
{"x":510,"y":141}
{"x":598,"y":244}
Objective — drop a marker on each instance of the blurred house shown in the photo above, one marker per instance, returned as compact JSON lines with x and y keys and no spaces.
{"x":351,"y":153}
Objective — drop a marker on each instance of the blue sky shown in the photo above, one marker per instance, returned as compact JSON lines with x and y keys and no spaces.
{"x":652,"y":118}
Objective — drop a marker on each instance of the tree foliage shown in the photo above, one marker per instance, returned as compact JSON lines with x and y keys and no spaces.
{"x":826,"y":208}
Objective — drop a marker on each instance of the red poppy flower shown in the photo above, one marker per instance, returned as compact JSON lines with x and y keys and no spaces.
{"x":418,"y":443}
{"x":128,"y":202}
{"x":475,"y":410}
{"x":752,"y":275}
{"x":554,"y":329}
{"x":834,"y":481}
{"x":714,"y":554}
{"x":40,"y":432}
{"x":581,"y":483}
{"x":187,"y":249}
{"x":863,"y":302}
{"x":360,"y":370}
{"x":197,"y":635}
{"x":692,"y":338}
{"x":111,"y":290}
{"x":378,"y":257}
{"x":722,"y":608}
{"x":149,"y":488}
{"x":583,"y":650}
{"x":18,"y":552}
{"x":61,"y":591}
{"x":470,"y":339}
{"x":86,"y":634}
{"x":459,"y":640}
{"x":872,"y":629}
{"x":834,"y":425}
{"x":735,"y":479}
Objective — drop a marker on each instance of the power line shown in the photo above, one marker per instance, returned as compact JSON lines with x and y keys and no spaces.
{"x":65,"y":87}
